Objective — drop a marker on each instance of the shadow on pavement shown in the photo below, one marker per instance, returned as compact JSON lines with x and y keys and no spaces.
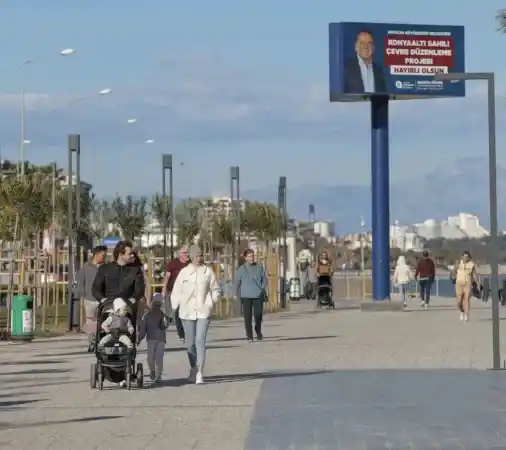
{"x":209,"y":347}
{"x":12,"y":403}
{"x":34,"y":362}
{"x":382,"y":408}
{"x":35,"y":372}
{"x":261,"y":376}
{"x":175,"y":382}
{"x":303,"y":338}
{"x":13,"y":426}
{"x":243,"y":338}
{"x":21,"y":383}
{"x":82,"y":351}
{"x":17,"y":394}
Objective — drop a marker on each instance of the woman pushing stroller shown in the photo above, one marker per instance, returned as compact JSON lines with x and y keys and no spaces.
{"x":324,"y":271}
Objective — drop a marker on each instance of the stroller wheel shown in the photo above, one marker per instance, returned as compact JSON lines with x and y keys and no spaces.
{"x":100,"y":379}
{"x":93,"y":376}
{"x":139,"y":376}
{"x":128,"y":378}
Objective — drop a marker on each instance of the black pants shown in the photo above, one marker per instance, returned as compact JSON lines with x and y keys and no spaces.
{"x":425,"y":286}
{"x":179,"y":325}
{"x":252,"y":307}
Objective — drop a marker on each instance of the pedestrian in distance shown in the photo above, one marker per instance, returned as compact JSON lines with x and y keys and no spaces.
{"x":85,"y":279}
{"x":466,"y":280}
{"x":172,"y":270}
{"x":425,"y":274}
{"x":402,"y":277}
{"x":153,"y":328}
{"x":251,"y":287}
{"x":195,"y":292}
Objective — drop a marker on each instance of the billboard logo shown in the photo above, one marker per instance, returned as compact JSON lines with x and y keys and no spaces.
{"x":398,"y":84}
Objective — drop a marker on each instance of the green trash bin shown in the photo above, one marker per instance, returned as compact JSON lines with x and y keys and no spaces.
{"x":22,"y":318}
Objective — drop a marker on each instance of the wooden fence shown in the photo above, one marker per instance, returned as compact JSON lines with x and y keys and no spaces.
{"x":45,"y":278}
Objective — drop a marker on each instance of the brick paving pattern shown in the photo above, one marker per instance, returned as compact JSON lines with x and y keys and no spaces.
{"x":321,"y":380}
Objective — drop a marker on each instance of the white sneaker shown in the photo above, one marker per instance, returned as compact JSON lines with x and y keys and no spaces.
{"x":199,"y":378}
{"x":422,"y":304}
{"x":461,"y":316}
{"x":466,"y":317}
{"x":122,"y":384}
{"x":193,"y":374}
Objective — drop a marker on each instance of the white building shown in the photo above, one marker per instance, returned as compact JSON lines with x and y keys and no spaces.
{"x":323,"y":228}
{"x":412,"y":237}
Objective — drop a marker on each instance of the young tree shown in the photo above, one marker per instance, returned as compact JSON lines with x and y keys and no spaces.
{"x":130,"y":215}
{"x":188,"y":215}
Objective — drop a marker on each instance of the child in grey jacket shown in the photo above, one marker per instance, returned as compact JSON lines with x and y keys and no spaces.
{"x":153,"y":327}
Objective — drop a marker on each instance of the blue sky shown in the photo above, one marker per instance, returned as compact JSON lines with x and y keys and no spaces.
{"x":225,"y":83}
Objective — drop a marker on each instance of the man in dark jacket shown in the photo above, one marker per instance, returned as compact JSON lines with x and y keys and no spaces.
{"x":425,"y":273}
{"x":119,"y":278}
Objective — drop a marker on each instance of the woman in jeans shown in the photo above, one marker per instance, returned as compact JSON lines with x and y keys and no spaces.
{"x":195,"y":292}
{"x":251,"y":287}
{"x":402,"y":277}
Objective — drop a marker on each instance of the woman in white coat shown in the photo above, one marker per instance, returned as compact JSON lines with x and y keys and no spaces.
{"x":402,"y":277}
{"x":195,"y":292}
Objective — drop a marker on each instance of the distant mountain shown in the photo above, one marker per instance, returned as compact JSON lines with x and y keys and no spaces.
{"x":461,"y":187}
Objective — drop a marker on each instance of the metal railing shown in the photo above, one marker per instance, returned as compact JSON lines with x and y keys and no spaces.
{"x":353,"y":286}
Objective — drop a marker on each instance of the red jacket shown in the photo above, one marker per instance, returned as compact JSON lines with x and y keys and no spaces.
{"x":425,"y":269}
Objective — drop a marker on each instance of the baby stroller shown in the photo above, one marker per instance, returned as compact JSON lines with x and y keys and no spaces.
{"x":115,"y":362}
{"x":324,"y":293}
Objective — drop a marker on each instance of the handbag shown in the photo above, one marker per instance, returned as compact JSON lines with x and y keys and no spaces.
{"x":263,"y":295}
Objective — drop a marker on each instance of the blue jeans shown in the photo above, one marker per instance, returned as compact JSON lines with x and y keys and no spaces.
{"x":425,"y":286}
{"x":196,"y":333}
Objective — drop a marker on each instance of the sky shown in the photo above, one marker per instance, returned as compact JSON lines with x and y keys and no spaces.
{"x":225,"y":83}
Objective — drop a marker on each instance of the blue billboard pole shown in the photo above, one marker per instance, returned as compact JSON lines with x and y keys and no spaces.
{"x":380,"y":193}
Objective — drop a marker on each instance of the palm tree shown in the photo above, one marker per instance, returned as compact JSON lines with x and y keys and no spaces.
{"x":189,"y":215}
{"x":130,"y":215}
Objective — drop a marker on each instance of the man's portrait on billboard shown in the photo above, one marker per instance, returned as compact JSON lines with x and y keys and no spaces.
{"x":361,"y":74}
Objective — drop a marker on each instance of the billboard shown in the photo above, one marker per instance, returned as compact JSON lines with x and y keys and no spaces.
{"x":397,"y":60}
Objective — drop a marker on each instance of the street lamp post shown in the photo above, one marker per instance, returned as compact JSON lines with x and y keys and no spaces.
{"x":494,"y":242}
{"x":284,"y":251}
{"x":362,"y":254}
{"x":74,"y":146}
{"x":22,"y":142}
{"x":234,"y":209}
{"x":167,"y":165}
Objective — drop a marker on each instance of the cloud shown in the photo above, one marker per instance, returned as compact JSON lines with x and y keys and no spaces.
{"x":205,"y":98}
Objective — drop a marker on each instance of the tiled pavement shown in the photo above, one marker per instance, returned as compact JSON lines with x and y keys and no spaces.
{"x":327,"y":380}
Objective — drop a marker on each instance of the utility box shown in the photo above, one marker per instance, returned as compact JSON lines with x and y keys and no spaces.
{"x":22,"y":320}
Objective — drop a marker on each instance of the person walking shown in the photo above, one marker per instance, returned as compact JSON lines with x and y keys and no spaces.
{"x":251,"y":287}
{"x":172,"y":270}
{"x":195,"y":292}
{"x":120,"y":278}
{"x":465,"y":277}
{"x":402,"y":277}
{"x":143,"y":303}
{"x":153,"y":327}
{"x":425,"y":274}
{"x":313,"y":281}
{"x":85,"y":279}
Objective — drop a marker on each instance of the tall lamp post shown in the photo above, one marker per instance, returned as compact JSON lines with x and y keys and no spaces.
{"x":494,"y":242}
{"x":235,"y":210}
{"x":73,"y":227}
{"x":284,"y":253}
{"x":23,"y":141}
{"x":167,"y":166}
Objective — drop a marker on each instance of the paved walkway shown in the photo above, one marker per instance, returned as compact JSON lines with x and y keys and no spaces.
{"x":327,"y":380}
